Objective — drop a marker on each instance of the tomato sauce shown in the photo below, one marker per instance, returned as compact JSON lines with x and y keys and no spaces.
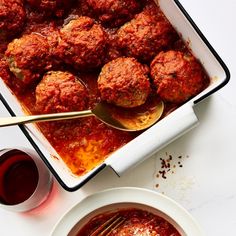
{"x":134,"y":222}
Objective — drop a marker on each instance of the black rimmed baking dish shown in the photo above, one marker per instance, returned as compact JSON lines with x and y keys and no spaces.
{"x":181,"y":120}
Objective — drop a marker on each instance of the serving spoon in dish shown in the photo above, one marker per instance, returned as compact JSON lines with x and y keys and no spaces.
{"x":132,"y":119}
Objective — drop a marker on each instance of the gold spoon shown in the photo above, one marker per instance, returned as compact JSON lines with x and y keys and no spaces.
{"x":119,"y":118}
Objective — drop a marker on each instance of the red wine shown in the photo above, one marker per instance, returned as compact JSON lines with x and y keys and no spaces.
{"x":18,"y":177}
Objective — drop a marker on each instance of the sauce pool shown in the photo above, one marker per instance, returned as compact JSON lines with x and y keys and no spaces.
{"x":136,"y":222}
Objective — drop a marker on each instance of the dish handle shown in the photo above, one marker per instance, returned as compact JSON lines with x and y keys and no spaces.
{"x":155,"y":138}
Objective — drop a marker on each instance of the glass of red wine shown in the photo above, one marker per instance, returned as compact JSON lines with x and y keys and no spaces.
{"x":25,"y":181}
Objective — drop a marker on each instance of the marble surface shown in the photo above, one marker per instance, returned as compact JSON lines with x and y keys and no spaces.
{"x":203,"y":180}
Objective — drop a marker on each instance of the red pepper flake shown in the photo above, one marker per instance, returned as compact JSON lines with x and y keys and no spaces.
{"x":163,"y":174}
{"x":167,"y":166}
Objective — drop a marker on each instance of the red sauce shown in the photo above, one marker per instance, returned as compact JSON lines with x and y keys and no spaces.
{"x":18,"y":177}
{"x":136,"y":222}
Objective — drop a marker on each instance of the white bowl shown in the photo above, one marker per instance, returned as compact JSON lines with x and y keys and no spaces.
{"x":123,"y":198}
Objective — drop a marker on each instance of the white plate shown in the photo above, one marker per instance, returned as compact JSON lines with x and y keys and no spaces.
{"x":115,"y":198}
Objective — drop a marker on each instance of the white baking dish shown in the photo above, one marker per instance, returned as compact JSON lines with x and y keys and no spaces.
{"x":156,"y":137}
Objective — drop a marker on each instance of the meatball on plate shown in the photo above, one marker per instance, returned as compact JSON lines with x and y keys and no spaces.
{"x":12,"y":17}
{"x":60,"y":92}
{"x":82,"y":43}
{"x":29,"y":57}
{"x":114,"y":12}
{"x":178,"y":76}
{"x":124,"y":82}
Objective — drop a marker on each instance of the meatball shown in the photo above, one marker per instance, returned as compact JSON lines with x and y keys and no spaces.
{"x":57,"y":7}
{"x":124,"y":82}
{"x":114,"y":12}
{"x":28,"y":57}
{"x":147,"y":34}
{"x":12,"y":18}
{"x":82,"y":43}
{"x":60,"y":92}
{"x":177,"y":76}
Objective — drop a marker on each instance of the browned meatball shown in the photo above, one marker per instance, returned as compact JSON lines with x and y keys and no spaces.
{"x":12,"y":17}
{"x":124,"y":82}
{"x":114,"y":12}
{"x":146,"y":35}
{"x":82,"y":44}
{"x":29,"y":57}
{"x":60,"y":92}
{"x":177,"y":76}
{"x":56,"y":7}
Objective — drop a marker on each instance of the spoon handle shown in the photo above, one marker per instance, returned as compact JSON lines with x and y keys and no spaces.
{"x":16,"y":120}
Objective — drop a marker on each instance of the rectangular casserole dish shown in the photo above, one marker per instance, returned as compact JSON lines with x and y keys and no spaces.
{"x":181,"y":120}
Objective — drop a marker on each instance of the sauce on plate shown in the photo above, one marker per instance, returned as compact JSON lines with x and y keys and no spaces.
{"x":135,"y":222}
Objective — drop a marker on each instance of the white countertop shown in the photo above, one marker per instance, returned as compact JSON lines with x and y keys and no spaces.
{"x":205,"y":184}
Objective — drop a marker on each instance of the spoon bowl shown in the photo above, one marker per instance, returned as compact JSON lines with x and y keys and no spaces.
{"x":134,"y":119}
